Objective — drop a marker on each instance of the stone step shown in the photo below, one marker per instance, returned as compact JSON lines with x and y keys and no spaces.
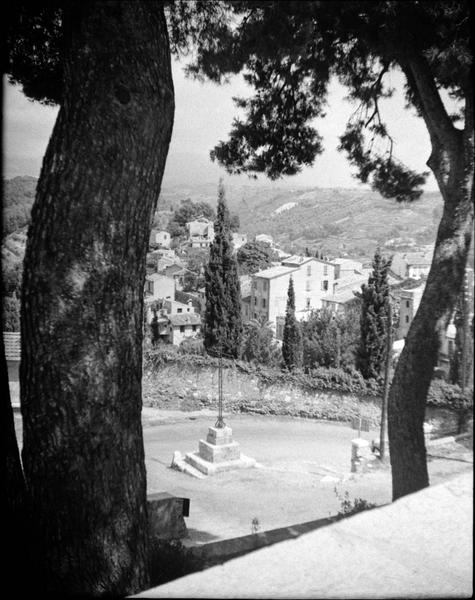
{"x":208,"y":468}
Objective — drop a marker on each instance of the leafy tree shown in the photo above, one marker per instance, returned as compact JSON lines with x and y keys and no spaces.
{"x":107,"y":65}
{"x":330,"y":340}
{"x":186,"y":212}
{"x":289,"y":51}
{"x":254,"y":256}
{"x":222,"y":319}
{"x":374,"y":320}
{"x":258,"y":343}
{"x":292,"y":345}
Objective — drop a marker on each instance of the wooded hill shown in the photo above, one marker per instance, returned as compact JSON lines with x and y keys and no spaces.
{"x":339,"y":221}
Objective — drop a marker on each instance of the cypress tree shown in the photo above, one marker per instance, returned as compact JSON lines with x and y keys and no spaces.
{"x":222,"y":319}
{"x":374,"y":320}
{"x":292,"y":343}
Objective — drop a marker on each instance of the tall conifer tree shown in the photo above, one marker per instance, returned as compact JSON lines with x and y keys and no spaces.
{"x":374,"y":319}
{"x":222,"y":319}
{"x":292,"y":343}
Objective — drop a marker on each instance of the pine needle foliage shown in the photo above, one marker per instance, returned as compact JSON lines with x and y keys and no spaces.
{"x":374,"y":319}
{"x":222,"y":318}
{"x":292,"y":343}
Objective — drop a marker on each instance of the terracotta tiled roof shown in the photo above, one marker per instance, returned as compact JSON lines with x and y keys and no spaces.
{"x":11,"y":340}
{"x":185,"y":319}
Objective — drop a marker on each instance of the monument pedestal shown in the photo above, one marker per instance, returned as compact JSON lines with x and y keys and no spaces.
{"x":218,"y":453}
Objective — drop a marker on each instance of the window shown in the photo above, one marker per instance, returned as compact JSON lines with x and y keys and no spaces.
{"x":150,"y":286}
{"x":451,"y":347}
{"x":308,"y":303}
{"x":407,"y":318}
{"x":254,"y":284}
{"x":255,"y":315}
{"x":325,"y":285}
{"x":309,"y":270}
{"x":182,"y":329}
{"x":407,"y":303}
{"x":263,"y":302}
{"x":264,"y":286}
{"x":179,"y":310}
{"x":325,"y":269}
{"x":307,"y":287}
{"x":194,"y":327}
{"x":255,"y":301}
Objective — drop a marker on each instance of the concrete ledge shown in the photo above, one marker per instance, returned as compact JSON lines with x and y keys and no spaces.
{"x":419,"y":546}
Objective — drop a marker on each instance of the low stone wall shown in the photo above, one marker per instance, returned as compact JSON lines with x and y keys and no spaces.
{"x":182,"y":387}
{"x":186,"y":388}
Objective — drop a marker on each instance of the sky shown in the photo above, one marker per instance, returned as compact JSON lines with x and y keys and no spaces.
{"x":203,"y":116}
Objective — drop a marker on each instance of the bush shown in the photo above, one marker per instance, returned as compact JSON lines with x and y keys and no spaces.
{"x":192,"y":346}
{"x":349,"y":508}
{"x":446,"y":395}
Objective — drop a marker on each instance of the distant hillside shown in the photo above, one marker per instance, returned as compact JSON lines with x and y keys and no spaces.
{"x":18,"y":197}
{"x":338,"y":221}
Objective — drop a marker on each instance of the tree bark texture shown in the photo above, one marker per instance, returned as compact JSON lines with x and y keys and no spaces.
{"x":82,"y":300}
{"x":452,"y":162}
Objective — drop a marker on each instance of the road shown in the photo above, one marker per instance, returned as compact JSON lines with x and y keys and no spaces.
{"x":300,"y":463}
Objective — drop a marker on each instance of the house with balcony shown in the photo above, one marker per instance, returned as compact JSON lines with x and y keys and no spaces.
{"x":200,"y":233}
{"x":177,"y":321}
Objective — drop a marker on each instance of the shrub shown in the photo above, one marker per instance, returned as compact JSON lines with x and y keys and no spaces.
{"x":446,"y":395}
{"x":349,"y":508}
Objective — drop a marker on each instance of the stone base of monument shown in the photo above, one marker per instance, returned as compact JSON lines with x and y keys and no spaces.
{"x":218,"y":453}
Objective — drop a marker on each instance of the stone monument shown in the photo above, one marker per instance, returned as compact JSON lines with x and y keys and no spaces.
{"x":219,"y":452}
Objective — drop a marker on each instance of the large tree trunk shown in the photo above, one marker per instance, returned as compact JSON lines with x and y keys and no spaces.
{"x":81,"y":325}
{"x":414,"y":371}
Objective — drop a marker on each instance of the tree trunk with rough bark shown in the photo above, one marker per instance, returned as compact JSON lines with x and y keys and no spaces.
{"x":82,"y":300}
{"x":452,"y":162}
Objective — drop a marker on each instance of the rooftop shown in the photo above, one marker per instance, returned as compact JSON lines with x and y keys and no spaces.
{"x":343,"y":261}
{"x":296,"y":259}
{"x":340,"y":297}
{"x":275,"y":272}
{"x":417,"y":258}
{"x":185,"y":319}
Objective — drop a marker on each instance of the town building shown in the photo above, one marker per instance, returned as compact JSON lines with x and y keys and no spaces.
{"x":11,"y":340}
{"x":312,"y":280}
{"x":161,"y":238}
{"x":158,"y":287}
{"x":177,"y":272}
{"x":267,"y":239}
{"x":409,"y":301}
{"x":346,"y":266}
{"x":238,"y":239}
{"x":411,"y":264}
{"x":177,"y":321}
{"x":200,"y":233}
